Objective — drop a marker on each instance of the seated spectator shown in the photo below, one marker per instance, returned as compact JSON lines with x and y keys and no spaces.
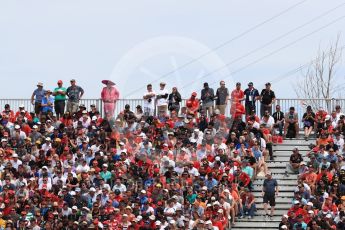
{"x":291,"y":127}
{"x":308,"y":122}
{"x":294,"y":163}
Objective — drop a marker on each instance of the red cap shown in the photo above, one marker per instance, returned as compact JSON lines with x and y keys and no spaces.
{"x":194,"y":94}
{"x":59,"y":82}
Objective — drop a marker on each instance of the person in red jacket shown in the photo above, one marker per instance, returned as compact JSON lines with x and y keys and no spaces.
{"x":296,"y":209}
{"x":193,"y":104}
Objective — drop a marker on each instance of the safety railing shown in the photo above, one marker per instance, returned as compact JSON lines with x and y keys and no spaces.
{"x":285,"y":103}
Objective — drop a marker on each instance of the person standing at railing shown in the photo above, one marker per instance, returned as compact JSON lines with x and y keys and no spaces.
{"x":37,"y":96}
{"x":237,"y":96}
{"x":74,"y":93}
{"x":207,"y":98}
{"x":162,"y":99}
{"x":60,"y":98}
{"x":109,"y":96}
{"x":222,"y":97}
{"x":267,"y":98}
{"x":251,"y":95}
{"x":149,"y":101}
{"x":174,"y":100}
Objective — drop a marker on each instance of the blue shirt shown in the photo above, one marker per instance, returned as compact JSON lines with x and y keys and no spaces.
{"x":211,"y":183}
{"x":39,"y":95}
{"x":45,"y":101}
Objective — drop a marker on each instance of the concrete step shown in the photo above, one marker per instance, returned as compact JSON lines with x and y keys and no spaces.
{"x":280,"y":182}
{"x":297,"y":142}
{"x":279,"y":200}
{"x":277,"y":170}
{"x":281,"y":195}
{"x":285,"y":159}
{"x":288,"y":153}
{"x":290,"y":147}
{"x":259,"y":219}
{"x":256,"y":225}
{"x":279,"y":206}
{"x":273,"y":164}
{"x":276,"y":212}
{"x":282,"y":188}
{"x":282,"y":176}
{"x":238,"y":228}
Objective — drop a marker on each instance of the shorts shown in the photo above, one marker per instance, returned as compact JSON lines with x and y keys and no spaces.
{"x":270,"y":198}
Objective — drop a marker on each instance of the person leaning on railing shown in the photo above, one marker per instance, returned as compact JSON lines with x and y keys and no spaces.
{"x":60,"y":98}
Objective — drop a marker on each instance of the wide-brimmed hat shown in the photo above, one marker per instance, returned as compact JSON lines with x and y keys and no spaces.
{"x":106,"y":82}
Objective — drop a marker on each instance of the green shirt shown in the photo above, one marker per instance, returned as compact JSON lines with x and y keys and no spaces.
{"x":60,"y":97}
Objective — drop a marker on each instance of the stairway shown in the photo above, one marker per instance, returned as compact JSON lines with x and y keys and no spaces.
{"x":287,"y":185}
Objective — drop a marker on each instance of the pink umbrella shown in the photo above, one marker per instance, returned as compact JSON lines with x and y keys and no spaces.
{"x":106,"y":82}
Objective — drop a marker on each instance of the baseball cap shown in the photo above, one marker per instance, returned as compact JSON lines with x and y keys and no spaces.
{"x":250,"y":84}
{"x":194,"y":94}
{"x":59,"y":82}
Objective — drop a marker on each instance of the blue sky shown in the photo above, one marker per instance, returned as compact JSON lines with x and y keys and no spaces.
{"x":137,"y":42}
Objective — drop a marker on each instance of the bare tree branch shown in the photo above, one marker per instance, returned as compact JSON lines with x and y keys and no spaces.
{"x":319,"y":79}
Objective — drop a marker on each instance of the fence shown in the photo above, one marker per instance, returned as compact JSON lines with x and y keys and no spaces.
{"x":299,"y":104}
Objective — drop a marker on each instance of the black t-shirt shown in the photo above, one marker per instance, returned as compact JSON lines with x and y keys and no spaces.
{"x":267,"y":96}
{"x":296,"y":158}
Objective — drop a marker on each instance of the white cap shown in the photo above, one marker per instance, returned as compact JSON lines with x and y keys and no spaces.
{"x":158,"y":223}
{"x":94,"y":118}
{"x":227,"y":190}
{"x":35,"y":127}
{"x":216,"y":203}
{"x":139,"y":218}
{"x":310,"y":204}
{"x":21,"y":106}
{"x":92,"y":189}
{"x":328,"y":117}
{"x":284,"y":227}
{"x":220,"y":211}
{"x":75,"y":207}
{"x":311,"y":211}
{"x":143,"y":191}
{"x":295,"y":202}
{"x":217,"y":158}
{"x":3,"y":139}
{"x":328,"y":215}
{"x":105,"y":165}
{"x":172,"y":222}
{"x":48,"y":139}
{"x":286,"y":216}
{"x":152,"y":217}
{"x":84,"y":112}
{"x":121,"y":143}
{"x":17,"y":127}
{"x":16,"y":155}
{"x":72,"y":193}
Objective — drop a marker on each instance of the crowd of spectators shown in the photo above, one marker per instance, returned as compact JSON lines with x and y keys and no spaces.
{"x":162,"y":166}
{"x":319,"y":198}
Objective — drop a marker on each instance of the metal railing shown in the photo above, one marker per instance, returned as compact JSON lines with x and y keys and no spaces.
{"x":285,"y":103}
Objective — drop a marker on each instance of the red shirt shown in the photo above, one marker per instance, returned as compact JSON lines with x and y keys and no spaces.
{"x":236,"y":95}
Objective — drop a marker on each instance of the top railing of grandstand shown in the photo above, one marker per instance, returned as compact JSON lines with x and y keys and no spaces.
{"x":285,"y":103}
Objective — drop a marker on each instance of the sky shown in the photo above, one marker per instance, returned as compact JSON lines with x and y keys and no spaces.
{"x":134,"y":43}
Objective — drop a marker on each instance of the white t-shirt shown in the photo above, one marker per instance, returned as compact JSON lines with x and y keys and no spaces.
{"x":150,"y":104}
{"x":162,"y":101}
